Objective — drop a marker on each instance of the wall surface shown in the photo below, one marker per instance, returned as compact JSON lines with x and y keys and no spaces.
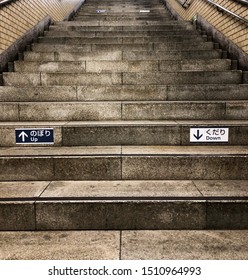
{"x":20,"y":16}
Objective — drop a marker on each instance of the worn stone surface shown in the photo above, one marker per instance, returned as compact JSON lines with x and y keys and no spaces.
{"x":57,"y":67}
{"x":179,"y":167}
{"x":198,"y":77}
{"x":80,"y":79}
{"x":53,"y":93}
{"x":122,"y":135}
{"x":117,"y":189}
{"x":9,"y":111}
{"x":26,"y":168}
{"x":21,"y":79}
{"x":111,"y":215}
{"x":122,"y":92}
{"x":22,"y":189}
{"x":173,"y":110}
{"x":170,"y":55}
{"x":88,"y":168}
{"x":70,"y":111}
{"x":55,"y":245}
{"x":223,"y":188}
{"x":237,"y":110}
{"x":17,"y":215}
{"x":121,"y":66}
{"x":184,"y":245}
{"x":227,"y":214}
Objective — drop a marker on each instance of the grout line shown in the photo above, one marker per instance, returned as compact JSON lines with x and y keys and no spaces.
{"x":197,"y":188}
{"x":120,"y":246}
{"x":45,"y":189}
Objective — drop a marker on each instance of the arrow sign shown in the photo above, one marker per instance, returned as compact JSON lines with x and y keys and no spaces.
{"x":23,"y":135}
{"x":209,"y":134}
{"x":198,"y":136}
{"x":34,"y":136}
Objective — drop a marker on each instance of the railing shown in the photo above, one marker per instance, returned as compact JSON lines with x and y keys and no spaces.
{"x":227,"y":11}
{"x":225,"y":20}
{"x":5,"y":2}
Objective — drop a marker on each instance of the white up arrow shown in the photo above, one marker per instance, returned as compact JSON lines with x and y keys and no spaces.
{"x":23,"y":135}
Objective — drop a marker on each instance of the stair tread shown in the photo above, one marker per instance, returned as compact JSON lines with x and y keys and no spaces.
{"x":124,"y":150}
{"x":125,"y":123}
{"x":131,"y":190}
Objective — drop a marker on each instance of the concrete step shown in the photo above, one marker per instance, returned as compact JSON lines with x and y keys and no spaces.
{"x":120,"y":22}
{"x":122,"y":66}
{"x":122,"y":47}
{"x":141,"y":78}
{"x":122,"y":17}
{"x":126,"y":163}
{"x":112,"y":133}
{"x":162,"y":27}
{"x":120,"y":40}
{"x":146,"y":110}
{"x":65,"y":56}
{"x":125,"y":93}
{"x":135,"y":245}
{"x":122,"y":55}
{"x":123,"y":205}
{"x":100,"y":34}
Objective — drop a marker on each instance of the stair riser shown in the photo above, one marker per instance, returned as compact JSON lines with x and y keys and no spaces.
{"x":124,"y":215}
{"x":120,"y":40}
{"x":102,"y":34}
{"x":123,"y":111}
{"x":153,"y":78}
{"x":107,"y":135}
{"x":142,"y":135}
{"x":168,"y":27}
{"x":120,"y":22}
{"x":119,"y":55}
{"x":125,"y":93}
{"x":150,"y":167}
{"x":121,"y":66}
{"x":91,"y":47}
{"x":125,"y":18}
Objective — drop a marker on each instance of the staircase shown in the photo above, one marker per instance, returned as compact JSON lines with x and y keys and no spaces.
{"x":128,"y":93}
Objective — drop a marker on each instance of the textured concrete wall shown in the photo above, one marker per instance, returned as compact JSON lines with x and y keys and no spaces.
{"x":22,"y":21}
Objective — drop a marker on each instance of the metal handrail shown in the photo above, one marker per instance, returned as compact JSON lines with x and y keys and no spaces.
{"x":6,"y":2}
{"x":244,"y":2}
{"x":227,"y":11}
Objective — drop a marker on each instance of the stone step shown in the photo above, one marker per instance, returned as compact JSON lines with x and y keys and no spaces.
{"x":112,"y":133}
{"x":122,"y":66}
{"x":121,"y":40}
{"x":121,"y":55}
{"x":125,"y":93}
{"x":141,"y":78}
{"x":100,"y":34}
{"x":120,"y":22}
{"x":122,"y":17}
{"x":107,"y":110}
{"x":162,"y":27}
{"x":67,"y":205}
{"x":122,"y":47}
{"x":132,"y":13}
{"x":124,"y":163}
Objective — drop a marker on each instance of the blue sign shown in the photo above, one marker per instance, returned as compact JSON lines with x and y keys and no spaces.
{"x":34,"y":136}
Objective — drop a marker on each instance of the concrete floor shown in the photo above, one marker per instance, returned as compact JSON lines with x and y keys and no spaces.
{"x":125,"y":245}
